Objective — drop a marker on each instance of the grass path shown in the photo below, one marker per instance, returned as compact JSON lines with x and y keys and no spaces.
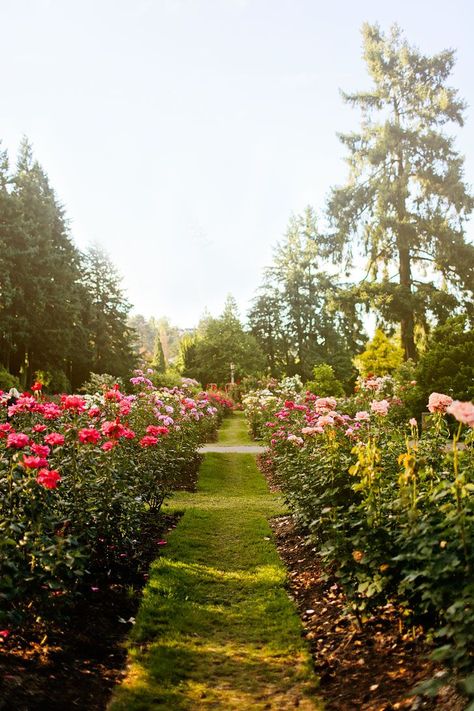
{"x":216,"y":629}
{"x":234,"y":431}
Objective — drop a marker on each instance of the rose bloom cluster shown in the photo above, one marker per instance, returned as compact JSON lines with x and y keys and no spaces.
{"x":79,"y":472}
{"x":37,"y":429}
{"x":299,"y":419}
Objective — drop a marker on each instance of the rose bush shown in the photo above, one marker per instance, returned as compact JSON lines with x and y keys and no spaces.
{"x":79,"y":473}
{"x":390,"y":509}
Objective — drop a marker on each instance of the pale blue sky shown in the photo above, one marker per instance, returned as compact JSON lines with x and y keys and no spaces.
{"x":181,"y":134}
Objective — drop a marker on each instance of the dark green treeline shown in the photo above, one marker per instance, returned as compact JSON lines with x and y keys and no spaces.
{"x":62,"y":312}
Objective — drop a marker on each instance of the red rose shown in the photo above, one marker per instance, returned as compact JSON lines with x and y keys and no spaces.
{"x":156,"y":430}
{"x":148,"y":441}
{"x":55,"y":438}
{"x":49,"y":478}
{"x":34,"y":462}
{"x":90,"y":436}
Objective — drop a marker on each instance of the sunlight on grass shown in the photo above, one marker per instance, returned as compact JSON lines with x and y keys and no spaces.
{"x":216,"y":628}
{"x":234,"y":431}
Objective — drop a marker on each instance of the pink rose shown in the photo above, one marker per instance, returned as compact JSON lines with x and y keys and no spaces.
{"x":54,"y":439}
{"x":34,"y":462}
{"x":73,"y":402}
{"x":107,"y":446}
{"x":41,"y":450}
{"x":380,"y":407}
{"x":17,"y":440}
{"x":437,"y":402}
{"x":463,"y":412}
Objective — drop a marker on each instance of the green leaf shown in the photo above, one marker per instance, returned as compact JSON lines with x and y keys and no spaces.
{"x":467,"y":685}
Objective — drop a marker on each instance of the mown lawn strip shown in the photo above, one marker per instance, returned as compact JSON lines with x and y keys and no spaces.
{"x":234,"y":431}
{"x":216,"y":628}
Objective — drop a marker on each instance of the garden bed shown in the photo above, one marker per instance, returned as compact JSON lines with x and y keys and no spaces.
{"x":75,"y":663}
{"x":368,"y":669}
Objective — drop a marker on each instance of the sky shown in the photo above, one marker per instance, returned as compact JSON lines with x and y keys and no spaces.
{"x":181,"y":135}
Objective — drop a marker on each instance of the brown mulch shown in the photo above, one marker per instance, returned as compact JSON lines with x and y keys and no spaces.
{"x":368,"y":669}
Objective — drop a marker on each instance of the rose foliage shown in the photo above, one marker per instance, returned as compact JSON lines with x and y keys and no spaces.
{"x":79,"y":475}
{"x":389,"y":508}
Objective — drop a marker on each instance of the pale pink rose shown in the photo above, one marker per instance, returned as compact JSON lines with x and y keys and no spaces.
{"x":298,"y":441}
{"x":463,"y":412}
{"x":362,"y":416}
{"x":325,"y":420}
{"x":324,"y":404}
{"x":312,"y":430}
{"x":412,"y":422}
{"x":437,"y":402}
{"x":380,"y":407}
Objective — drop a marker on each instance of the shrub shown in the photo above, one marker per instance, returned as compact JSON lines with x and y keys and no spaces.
{"x":7,"y":380}
{"x":325,"y":382}
{"x":382,"y":355}
{"x":447,"y":366}
{"x":390,"y":511}
{"x":78,"y":474}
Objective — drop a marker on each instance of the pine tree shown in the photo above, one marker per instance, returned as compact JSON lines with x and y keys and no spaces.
{"x":265,"y":318}
{"x":9,"y":226}
{"x":158,"y":362}
{"x":299,"y":318}
{"x":111,"y":338}
{"x":405,"y":201}
{"x":42,"y":265}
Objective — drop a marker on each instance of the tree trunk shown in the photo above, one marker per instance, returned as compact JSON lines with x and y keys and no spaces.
{"x":407,"y":319}
{"x":407,"y":316}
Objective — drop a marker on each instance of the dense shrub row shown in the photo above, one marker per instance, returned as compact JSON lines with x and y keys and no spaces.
{"x":78,"y":474}
{"x":389,"y":507}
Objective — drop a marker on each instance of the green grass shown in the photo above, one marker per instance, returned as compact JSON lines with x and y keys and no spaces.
{"x":234,"y":431}
{"x":216,"y":628}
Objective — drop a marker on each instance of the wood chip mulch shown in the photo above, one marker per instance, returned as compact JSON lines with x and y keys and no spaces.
{"x":372,"y":669}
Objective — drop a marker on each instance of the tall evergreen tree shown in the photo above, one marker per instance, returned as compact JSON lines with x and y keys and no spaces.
{"x":265,"y":318}
{"x":9,"y":227}
{"x":158,"y":361}
{"x":41,"y":266}
{"x":298,"y":318}
{"x":406,"y":201}
{"x":111,"y":338}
